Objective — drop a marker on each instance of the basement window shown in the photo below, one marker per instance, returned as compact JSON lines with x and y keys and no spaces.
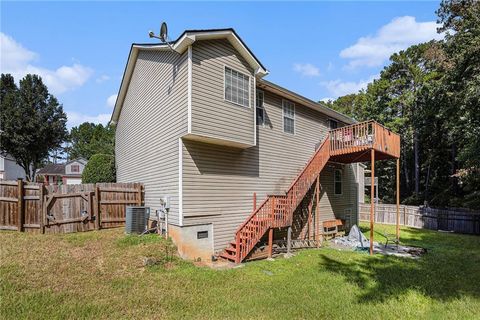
{"x":202,"y":234}
{"x":337,"y":181}
{"x":288,"y":116}
{"x":237,"y":87}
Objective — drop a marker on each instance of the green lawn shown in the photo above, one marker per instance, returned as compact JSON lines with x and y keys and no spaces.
{"x":101,"y":275}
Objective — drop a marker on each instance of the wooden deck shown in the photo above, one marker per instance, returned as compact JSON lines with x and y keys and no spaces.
{"x":353,"y":143}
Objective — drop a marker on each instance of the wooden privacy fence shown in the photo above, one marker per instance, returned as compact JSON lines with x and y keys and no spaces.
{"x":451,"y":219}
{"x":26,"y":206}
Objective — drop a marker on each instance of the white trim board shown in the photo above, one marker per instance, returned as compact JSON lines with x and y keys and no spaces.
{"x":189,"y":88}
{"x":180,"y":182}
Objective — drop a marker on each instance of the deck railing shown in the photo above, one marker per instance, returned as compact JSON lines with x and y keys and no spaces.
{"x":357,"y":135}
{"x":277,"y":210}
{"x":364,"y":135}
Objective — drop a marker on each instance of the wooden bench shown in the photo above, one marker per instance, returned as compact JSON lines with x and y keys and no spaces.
{"x":331,"y":227}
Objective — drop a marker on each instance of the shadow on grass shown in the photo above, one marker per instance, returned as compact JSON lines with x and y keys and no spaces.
{"x":450,"y":269}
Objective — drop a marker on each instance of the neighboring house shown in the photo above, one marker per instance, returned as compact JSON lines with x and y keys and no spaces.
{"x":9,"y":169}
{"x":63,"y":173}
{"x":200,"y":125}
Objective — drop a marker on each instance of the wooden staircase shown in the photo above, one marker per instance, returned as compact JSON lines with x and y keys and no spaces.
{"x":277,"y":211}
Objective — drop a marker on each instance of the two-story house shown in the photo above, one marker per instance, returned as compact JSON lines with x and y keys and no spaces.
{"x":197,"y":122}
{"x":62,"y":173}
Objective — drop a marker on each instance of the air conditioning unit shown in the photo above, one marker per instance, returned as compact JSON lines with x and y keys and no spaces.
{"x":136,"y":219}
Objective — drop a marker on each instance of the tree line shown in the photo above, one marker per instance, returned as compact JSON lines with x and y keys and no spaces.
{"x":33,"y":131}
{"x":430,"y":95}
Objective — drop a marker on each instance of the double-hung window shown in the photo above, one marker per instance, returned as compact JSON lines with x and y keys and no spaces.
{"x":337,"y":182}
{"x":260,"y":108}
{"x":237,"y":88}
{"x":288,"y":116}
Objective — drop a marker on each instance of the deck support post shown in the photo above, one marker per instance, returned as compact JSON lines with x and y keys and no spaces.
{"x":398,"y":200}
{"x":270,"y":242}
{"x":289,"y":239}
{"x":254,"y":201}
{"x":317,"y":211}
{"x":372,"y":200}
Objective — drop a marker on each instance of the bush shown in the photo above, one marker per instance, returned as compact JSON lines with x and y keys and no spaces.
{"x":100,"y":168}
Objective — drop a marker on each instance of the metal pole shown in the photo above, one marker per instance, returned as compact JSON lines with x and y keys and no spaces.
{"x":372,"y":200}
{"x":398,"y":199}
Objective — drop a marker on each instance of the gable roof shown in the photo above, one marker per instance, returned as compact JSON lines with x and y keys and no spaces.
{"x":52,"y":169}
{"x":190,"y":36}
{"x":81,"y":160}
{"x":187,"y":38}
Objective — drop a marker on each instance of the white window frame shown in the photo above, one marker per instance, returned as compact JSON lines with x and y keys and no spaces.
{"x":283,"y":117}
{"x":225,"y":87}
{"x":335,"y":181}
{"x":262,"y":107}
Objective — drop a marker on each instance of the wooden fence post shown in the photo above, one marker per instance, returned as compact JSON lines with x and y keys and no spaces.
{"x":20,"y":207}
{"x":98,"y":223}
{"x":139,"y":195}
{"x":42,"y":211}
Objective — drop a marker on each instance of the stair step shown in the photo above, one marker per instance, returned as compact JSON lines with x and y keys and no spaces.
{"x":227,"y":256}
{"x":231,"y":249}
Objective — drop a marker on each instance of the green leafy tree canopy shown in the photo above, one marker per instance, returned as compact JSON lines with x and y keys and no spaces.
{"x":88,"y":139}
{"x":32,"y":122}
{"x":100,"y":168}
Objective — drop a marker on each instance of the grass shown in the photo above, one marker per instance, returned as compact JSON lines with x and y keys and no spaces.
{"x":102,"y":275}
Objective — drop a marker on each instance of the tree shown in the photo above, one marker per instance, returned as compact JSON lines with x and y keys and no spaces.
{"x":88,"y":139}
{"x":32,"y":122}
{"x":100,"y":168}
{"x":461,"y":22}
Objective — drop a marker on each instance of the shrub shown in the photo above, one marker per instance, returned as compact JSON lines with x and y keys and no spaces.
{"x":100,"y":168}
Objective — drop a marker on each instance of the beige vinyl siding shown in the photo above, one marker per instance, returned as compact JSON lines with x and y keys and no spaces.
{"x":212,"y":115}
{"x":153,"y":117}
{"x":68,"y":168}
{"x":219,"y":182}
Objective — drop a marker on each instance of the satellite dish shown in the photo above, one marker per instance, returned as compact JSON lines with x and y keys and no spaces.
{"x":163,"y":36}
{"x":164,"y":32}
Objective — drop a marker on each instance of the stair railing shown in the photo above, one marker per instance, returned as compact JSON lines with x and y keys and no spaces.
{"x":277,"y":211}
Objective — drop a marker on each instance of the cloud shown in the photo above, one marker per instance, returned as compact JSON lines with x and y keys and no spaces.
{"x":306,"y":69}
{"x":17,"y":60}
{"x":340,"y":88}
{"x":111,"y":100}
{"x":76,"y":118}
{"x":102,"y":78}
{"x":398,"y":34}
